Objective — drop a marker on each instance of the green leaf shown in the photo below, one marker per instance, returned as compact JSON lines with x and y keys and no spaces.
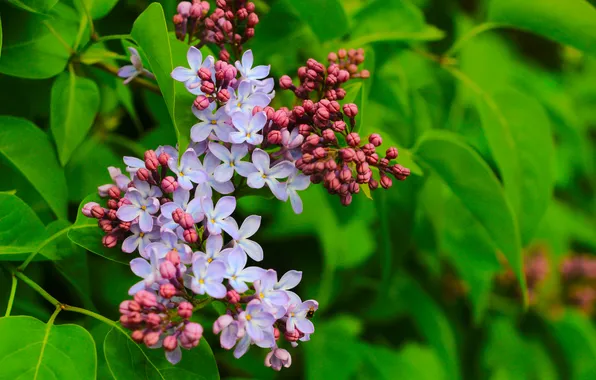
{"x":0,"y":36}
{"x":127,"y":360}
{"x":391,"y":20}
{"x":23,"y":144}
{"x":87,"y":234}
{"x":35,"y":6}
{"x":518,"y":132}
{"x":414,"y":361}
{"x":21,"y":231}
{"x":151,"y":33}
{"x":479,"y":191}
{"x":97,"y":53}
{"x":326,"y":18}
{"x":100,"y":8}
{"x":569,"y":22}
{"x":46,"y":43}
{"x":75,"y":101}
{"x":577,"y":337}
{"x":33,"y":349}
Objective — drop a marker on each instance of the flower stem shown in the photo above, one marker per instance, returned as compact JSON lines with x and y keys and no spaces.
{"x":42,"y":246}
{"x":202,"y":303}
{"x":13,"y":292}
{"x":34,"y":286}
{"x":138,"y":81}
{"x":457,"y":45}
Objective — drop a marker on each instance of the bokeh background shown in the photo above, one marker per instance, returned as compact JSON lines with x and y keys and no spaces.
{"x":412,"y":284}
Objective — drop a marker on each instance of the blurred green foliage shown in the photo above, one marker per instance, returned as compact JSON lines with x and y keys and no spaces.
{"x":492,"y":104}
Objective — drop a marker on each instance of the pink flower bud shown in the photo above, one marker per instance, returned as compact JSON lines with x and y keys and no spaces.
{"x":232,"y":296}
{"x":125,"y":225}
{"x":170,"y":343}
{"x":332,"y":57}
{"x":386,"y":182}
{"x":221,"y":323}
{"x":328,"y":135}
{"x":364,"y":74}
{"x":177,"y":215}
{"x":375,"y":139}
{"x":308,"y":106}
{"x":319,"y":153}
{"x":250,"y":7}
{"x":253,"y":20}
{"x":391,"y":153}
{"x":207,"y":87}
{"x":167,"y":270}
{"x":97,"y":211}
{"x":353,"y":139}
{"x":190,"y":235}
{"x":360,"y":156}
{"x":313,"y":140}
{"x":304,"y":129}
{"x":347,"y":154}
{"x":137,"y":336}
{"x":333,"y":106}
{"x":196,"y":11}
{"x":167,"y":290}
{"x":285,"y":82}
{"x":177,"y":19}
{"x":331,"y":165}
{"x":173,"y":257}
{"x":351,"y":110}
{"x":280,"y":118}
{"x":269,"y":111}
{"x":106,"y":225}
{"x":353,"y":188}
{"x":346,"y":200}
{"x":112,"y":215}
{"x":109,"y":241}
{"x":373,"y":184}
{"x":151,"y":162}
{"x":292,"y":336}
{"x":373,"y":159}
{"x":185,"y":310}
{"x":163,"y":159}
{"x":169,"y":184}
{"x":87,"y":209}
{"x":143,"y":174}
{"x":278,"y":358}
{"x":343,"y":76}
{"x":242,"y":13}
{"x":223,"y":95}
{"x":298,"y":111}
{"x":153,"y":320}
{"x":331,"y":80}
{"x":368,"y":149}
{"x":224,"y":55}
{"x":276,"y":333}
{"x":338,"y":126}
{"x":202,"y":102}
{"x":184,"y":8}
{"x":345,"y":175}
{"x":146,"y":299}
{"x":274,"y":137}
{"x":307,"y":158}
{"x":112,"y":204}
{"x":151,"y":338}
{"x":193,"y":331}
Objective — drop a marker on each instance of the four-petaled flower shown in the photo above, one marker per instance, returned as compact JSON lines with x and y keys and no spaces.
{"x":244,"y":99}
{"x":148,"y":271}
{"x":296,"y":182}
{"x":218,"y":123}
{"x":169,"y":242}
{"x":258,"y":324}
{"x":207,"y":278}
{"x":181,"y":201}
{"x":230,"y":161}
{"x":141,"y":207}
{"x":247,"y":71}
{"x":190,"y":77}
{"x":298,"y":316}
{"x":273,"y":299}
{"x":189,"y":170}
{"x":241,"y":237}
{"x":236,"y":274}
{"x":139,"y":239}
{"x":130,"y":72}
{"x":265,"y":175}
{"x":217,"y":217}
{"x":205,"y":189}
{"x":213,"y":250}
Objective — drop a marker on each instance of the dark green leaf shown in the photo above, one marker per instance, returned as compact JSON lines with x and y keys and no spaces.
{"x":36,"y":6}
{"x":326,"y":18}
{"x":127,"y":360}
{"x":86,"y":233}
{"x":30,"y":151}
{"x":411,"y":362}
{"x":21,"y":231}
{"x":478,"y":189}
{"x":33,"y":349}
{"x":570,"y":22}
{"x":577,"y":337}
{"x":100,"y":8}
{"x":75,"y":101}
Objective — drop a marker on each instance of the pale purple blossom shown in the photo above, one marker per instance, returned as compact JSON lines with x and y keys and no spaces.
{"x":290,"y":145}
{"x":146,"y":189}
{"x":189,"y":169}
{"x":120,"y":180}
{"x":181,"y":199}
{"x":297,"y":316}
{"x":247,"y":71}
{"x":296,"y":182}
{"x":231,"y":160}
{"x":130,"y":72}
{"x":278,"y":358}
{"x":190,"y":76}
{"x":139,"y":207}
{"x":148,"y":271}
{"x":140,"y":239}
{"x":236,"y":274}
{"x":259,"y":324}
{"x":169,"y":242}
{"x":213,"y":249}
{"x":218,"y":218}
{"x":274,"y":299}
{"x":269,"y":176}
{"x":244,"y":99}
{"x":241,"y":237}
{"x":264,"y":86}
{"x":211,"y":162}
{"x":219,"y":123}
{"x":207,"y":278}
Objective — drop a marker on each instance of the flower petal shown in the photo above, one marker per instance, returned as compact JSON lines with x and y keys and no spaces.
{"x":174,"y":356}
{"x":220,"y":152}
{"x":145,"y":221}
{"x":130,"y":244}
{"x":225,"y":207}
{"x":255,"y":180}
{"x":223,"y":173}
{"x":194,"y":58}
{"x":259,"y":72}
{"x":295,"y":201}
{"x":282,"y":169}
{"x":247,"y":60}
{"x":245,"y":168}
{"x":250,"y":226}
{"x":182,"y":74}
{"x":289,"y":280}
{"x":252,"y":249}
{"x":127,"y":213}
{"x":215,"y":290}
{"x":261,"y":160}
{"x":199,"y":132}
{"x":140,"y":267}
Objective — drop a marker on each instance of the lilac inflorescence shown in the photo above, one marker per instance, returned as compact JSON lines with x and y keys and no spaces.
{"x":174,"y":208}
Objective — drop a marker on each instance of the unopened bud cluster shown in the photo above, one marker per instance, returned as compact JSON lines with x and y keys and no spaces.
{"x":578,"y":274}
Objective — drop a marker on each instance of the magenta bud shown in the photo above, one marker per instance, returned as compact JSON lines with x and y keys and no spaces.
{"x":351,"y":110}
{"x":338,"y":126}
{"x":185,"y":310}
{"x":170,"y":343}
{"x":274,"y":137}
{"x":242,"y":13}
{"x":204,"y":73}
{"x":167,"y":290}
{"x":386,"y":182}
{"x":169,"y":184}
{"x":151,"y":338}
{"x":109,"y":241}
{"x":373,"y":159}
{"x":269,"y":111}
{"x":125,"y":225}
{"x":304,"y":129}
{"x":224,"y":55}
{"x":177,"y":215}
{"x":153,"y":320}
{"x":292,"y":336}
{"x":137,"y":336}
{"x":346,"y":200}
{"x":345,"y":175}
{"x":298,"y":111}
{"x":343,"y":76}
{"x":285,"y":82}
{"x":222,"y":322}
{"x":250,"y":7}
{"x":347,"y":154}
{"x":353,"y":188}
{"x":106,"y":225}
{"x":207,"y":87}
{"x":178,"y":19}
{"x":276,"y":333}
{"x":364,"y":74}
{"x":280,"y":118}
{"x":190,"y":235}
{"x":193,"y":331}
{"x":187,"y":221}
{"x":97,"y":211}
{"x":232,"y":296}
{"x":313,"y":140}
{"x":360,"y":156}
{"x":223,"y":95}
{"x":319,"y":153}
{"x":253,"y":20}
{"x":375,"y":139}
{"x":322,"y":114}
{"x":331,"y":80}
{"x":391,"y":153}
{"x":112,"y":215}
{"x":163,"y":159}
{"x":340,"y":93}
{"x":308,"y":106}
{"x":328,"y":135}
{"x":143,"y":174}
{"x":112,"y":204}
{"x":151,"y":161}
{"x":353,"y":139}
{"x":368,"y":149}
{"x":331,"y":165}
{"x":196,"y":11}
{"x":373,"y":184}
{"x":201,"y":102}
{"x":332,"y":57}
{"x":87,"y":209}
{"x":167,"y":270}
{"x":146,"y":299}
{"x":184,"y":8}
{"x":173,"y":257}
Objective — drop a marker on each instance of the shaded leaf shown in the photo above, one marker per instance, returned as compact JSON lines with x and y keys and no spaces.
{"x":326,"y":18}
{"x":21,"y":231}
{"x":36,"y":6}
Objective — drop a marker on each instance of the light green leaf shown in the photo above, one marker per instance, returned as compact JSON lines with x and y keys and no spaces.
{"x":21,"y":231}
{"x":569,"y":22}
{"x":127,"y":360}
{"x":151,"y":33}
{"x":49,"y":42}
{"x":478,"y":189}
{"x":97,"y":53}
{"x":30,"y":151}
{"x":518,"y":132}
{"x":414,"y":361}
{"x":326,"y":18}
{"x":87,"y":234}
{"x":100,"y":8}
{"x":35,"y":6}
{"x":33,"y":349}
{"x":75,"y":101}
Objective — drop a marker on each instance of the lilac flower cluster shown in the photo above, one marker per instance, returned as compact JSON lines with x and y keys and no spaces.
{"x":174,"y":208}
{"x":232,"y":22}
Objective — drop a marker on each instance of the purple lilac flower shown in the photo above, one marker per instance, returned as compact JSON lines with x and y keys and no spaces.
{"x":217,"y":217}
{"x":273,"y":299}
{"x":139,"y":207}
{"x":169,"y":242}
{"x":119,"y":179}
{"x":248,"y":128}
{"x":289,"y":280}
{"x":236,"y":274}
{"x":148,"y":271}
{"x":258,"y":324}
{"x":229,"y":329}
{"x":266,"y":175}
{"x":146,"y":189}
{"x":290,"y":145}
{"x":211,"y":163}
{"x":247,"y":71}
{"x":249,"y":227}
{"x":139,"y":239}
{"x":244,"y":99}
{"x":277,"y":358}
{"x":213,"y":249}
{"x":296,"y":182}
{"x":230,"y":161}
{"x":208,"y":278}
{"x":297,"y":319}
{"x":218,"y":123}
{"x":190,"y":77}
{"x":180,"y":201}
{"x":189,"y":170}
{"x":130,"y":72}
